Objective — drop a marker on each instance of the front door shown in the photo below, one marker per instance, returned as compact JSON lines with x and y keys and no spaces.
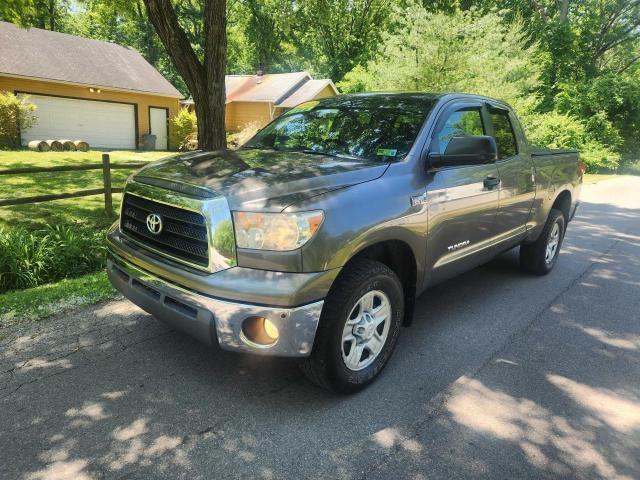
{"x":462,"y":199}
{"x":158,"y":126}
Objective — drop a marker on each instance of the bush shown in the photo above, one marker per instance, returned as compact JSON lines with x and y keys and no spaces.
{"x":557,"y":130}
{"x":16,"y":114}
{"x":598,"y":157}
{"x":609,"y":104}
{"x":553,"y":130}
{"x":184,"y":130}
{"x":32,"y":258}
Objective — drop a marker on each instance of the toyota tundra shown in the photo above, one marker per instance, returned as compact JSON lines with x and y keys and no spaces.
{"x":314,"y":239}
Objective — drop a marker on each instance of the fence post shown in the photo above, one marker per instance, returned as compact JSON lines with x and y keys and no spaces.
{"x":106,"y":175}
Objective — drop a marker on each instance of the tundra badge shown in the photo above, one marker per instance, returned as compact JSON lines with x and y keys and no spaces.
{"x":458,"y":245}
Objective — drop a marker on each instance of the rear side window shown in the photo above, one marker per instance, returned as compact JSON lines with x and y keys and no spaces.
{"x":505,"y":138}
{"x":462,"y":122}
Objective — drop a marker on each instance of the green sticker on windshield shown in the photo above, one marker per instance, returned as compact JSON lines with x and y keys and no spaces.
{"x":387,"y":152}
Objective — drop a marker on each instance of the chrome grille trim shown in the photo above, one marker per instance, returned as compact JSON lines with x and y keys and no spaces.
{"x":197,"y":232}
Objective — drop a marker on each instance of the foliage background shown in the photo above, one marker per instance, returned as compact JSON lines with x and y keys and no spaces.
{"x":570,"y":67}
{"x":15,"y":114}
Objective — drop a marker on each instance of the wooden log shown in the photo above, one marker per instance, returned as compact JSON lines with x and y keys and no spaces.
{"x":81,"y":145}
{"x":54,"y":145}
{"x":38,"y":146}
{"x":47,"y":198}
{"x":68,"y":145}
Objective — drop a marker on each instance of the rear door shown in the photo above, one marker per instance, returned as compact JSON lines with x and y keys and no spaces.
{"x":462,"y":199}
{"x":517,"y":176}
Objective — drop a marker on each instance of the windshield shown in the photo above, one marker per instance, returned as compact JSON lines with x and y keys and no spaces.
{"x":376,"y":127}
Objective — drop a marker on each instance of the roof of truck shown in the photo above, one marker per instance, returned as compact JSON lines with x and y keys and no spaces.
{"x":427,"y":96}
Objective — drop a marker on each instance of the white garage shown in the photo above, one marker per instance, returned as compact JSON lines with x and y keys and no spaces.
{"x":102,"y":124}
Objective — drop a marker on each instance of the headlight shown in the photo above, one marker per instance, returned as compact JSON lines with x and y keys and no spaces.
{"x":275,"y":231}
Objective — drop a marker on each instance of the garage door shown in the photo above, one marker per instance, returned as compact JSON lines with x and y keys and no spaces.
{"x":102,"y":124}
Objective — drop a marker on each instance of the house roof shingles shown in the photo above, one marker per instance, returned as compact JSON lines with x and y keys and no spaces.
{"x":53,"y":56}
{"x":271,"y":87}
{"x":306,"y":92}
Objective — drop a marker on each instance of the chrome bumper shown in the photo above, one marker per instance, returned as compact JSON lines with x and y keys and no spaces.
{"x":211,"y":320}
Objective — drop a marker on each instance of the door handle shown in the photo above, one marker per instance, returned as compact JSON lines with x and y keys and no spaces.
{"x":491,"y":182}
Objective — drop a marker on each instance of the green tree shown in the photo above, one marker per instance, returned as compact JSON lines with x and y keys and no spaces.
{"x":462,"y":51}
{"x":46,"y":14}
{"x":339,"y":35}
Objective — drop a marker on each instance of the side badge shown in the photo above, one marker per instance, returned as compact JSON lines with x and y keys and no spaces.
{"x":458,"y":245}
{"x":419,"y":199}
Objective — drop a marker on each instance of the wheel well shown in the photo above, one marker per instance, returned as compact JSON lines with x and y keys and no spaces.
{"x":563,"y":203}
{"x":399,"y":257}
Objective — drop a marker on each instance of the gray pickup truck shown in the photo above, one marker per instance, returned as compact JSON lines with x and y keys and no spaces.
{"x":314,"y":239}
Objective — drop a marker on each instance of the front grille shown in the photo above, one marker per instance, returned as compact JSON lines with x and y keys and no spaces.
{"x":183,"y":235}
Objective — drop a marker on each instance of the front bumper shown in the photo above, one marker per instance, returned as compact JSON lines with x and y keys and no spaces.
{"x":211,"y":320}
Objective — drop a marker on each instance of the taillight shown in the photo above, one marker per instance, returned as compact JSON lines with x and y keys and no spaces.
{"x":582,"y":167}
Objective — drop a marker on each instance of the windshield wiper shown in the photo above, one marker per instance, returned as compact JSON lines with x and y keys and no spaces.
{"x":328,"y":154}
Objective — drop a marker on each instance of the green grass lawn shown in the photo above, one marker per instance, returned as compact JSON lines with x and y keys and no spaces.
{"x":84,"y":210}
{"x":39,"y":302}
{"x":33,"y":304}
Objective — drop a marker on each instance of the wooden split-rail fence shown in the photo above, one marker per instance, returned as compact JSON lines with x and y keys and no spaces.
{"x":106,"y":166}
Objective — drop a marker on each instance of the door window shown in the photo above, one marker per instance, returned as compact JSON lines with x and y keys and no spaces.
{"x":467,"y":121}
{"x":503,"y":131}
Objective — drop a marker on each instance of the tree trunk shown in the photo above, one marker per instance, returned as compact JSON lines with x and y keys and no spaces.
{"x":52,"y":15}
{"x":564,"y":10}
{"x":215,"y":64}
{"x":205,"y":80}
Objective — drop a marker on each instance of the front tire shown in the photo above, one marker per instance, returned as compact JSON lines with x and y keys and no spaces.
{"x":540,"y":256}
{"x":358,"y":328}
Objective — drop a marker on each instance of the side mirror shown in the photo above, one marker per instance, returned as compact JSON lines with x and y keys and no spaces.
{"x":466,"y":150}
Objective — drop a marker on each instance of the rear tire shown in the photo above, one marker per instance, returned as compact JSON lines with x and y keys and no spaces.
{"x":541,"y":256}
{"x":356,"y":336}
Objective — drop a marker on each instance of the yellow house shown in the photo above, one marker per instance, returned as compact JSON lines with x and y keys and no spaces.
{"x":100,"y":92}
{"x":258,"y":99}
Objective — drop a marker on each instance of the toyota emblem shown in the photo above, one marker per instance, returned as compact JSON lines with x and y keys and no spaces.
{"x":154,"y":223}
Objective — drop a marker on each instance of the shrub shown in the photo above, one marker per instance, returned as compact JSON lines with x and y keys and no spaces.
{"x":16,"y":114}
{"x":184,"y":130}
{"x":557,"y":130}
{"x":32,"y":258}
{"x":598,"y":157}
{"x":553,"y":130}
{"x":610,"y":97}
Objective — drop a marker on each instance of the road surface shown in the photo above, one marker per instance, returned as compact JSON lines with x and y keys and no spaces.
{"x":502,"y":375}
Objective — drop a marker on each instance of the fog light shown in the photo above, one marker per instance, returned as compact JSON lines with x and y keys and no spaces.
{"x":259,"y":331}
{"x":270,"y":329}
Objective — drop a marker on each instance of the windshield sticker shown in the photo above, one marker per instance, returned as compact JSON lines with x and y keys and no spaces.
{"x":387,"y":152}
{"x":304,"y":107}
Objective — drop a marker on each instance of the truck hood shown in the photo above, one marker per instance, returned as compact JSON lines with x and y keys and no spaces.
{"x":262,"y":180}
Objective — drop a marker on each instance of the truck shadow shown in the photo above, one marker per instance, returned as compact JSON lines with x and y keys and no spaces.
{"x":476,"y":388}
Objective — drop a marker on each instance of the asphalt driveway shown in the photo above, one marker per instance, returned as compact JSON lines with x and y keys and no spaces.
{"x":502,"y":375}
